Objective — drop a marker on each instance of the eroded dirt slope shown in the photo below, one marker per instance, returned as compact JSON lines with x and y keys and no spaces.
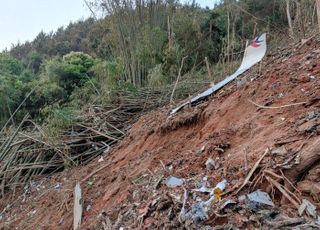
{"x":127,"y":188}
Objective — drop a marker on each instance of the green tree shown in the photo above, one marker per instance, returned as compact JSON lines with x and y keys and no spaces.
{"x":73,"y":70}
{"x":34,"y":61}
{"x":10,"y":65}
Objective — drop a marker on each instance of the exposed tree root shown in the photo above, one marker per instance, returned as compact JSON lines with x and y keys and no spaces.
{"x":308,"y":158}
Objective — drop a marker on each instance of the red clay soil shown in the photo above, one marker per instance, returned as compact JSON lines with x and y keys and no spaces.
{"x":126,"y":189}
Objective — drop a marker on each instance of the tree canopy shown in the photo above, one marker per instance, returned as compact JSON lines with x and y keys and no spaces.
{"x":138,"y":44}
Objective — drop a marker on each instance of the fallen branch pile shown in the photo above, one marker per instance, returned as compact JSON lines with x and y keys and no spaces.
{"x":26,"y":151}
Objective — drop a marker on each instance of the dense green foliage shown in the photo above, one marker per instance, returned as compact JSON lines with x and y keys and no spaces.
{"x":135,"y":45}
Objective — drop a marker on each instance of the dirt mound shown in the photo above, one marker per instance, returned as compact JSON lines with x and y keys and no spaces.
{"x":274,"y":113}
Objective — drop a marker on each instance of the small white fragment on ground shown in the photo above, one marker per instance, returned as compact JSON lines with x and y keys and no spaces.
{"x":60,"y":221}
{"x":100,"y":159}
{"x":32,"y":213}
{"x":202,"y":149}
{"x":260,"y":198}
{"x":173,"y":182}
{"x":242,"y":198}
{"x":221,"y":185}
{"x":198,"y":212}
{"x":57,"y":186}
{"x":175,"y":196}
{"x":210,"y":164}
{"x":228,"y":202}
{"x":308,"y":207}
{"x":203,"y":189}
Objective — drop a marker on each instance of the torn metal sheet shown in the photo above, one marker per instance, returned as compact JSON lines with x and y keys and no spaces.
{"x":173,"y":182}
{"x":210,"y":164}
{"x":253,"y":54}
{"x":203,"y":189}
{"x":260,"y":197}
{"x":308,"y":207}
{"x":198,"y":212}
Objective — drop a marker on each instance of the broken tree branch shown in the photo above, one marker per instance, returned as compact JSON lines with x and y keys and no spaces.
{"x":283,"y":191}
{"x":256,"y":165}
{"x":179,"y":75}
{"x":277,"y":107}
{"x":77,"y":208}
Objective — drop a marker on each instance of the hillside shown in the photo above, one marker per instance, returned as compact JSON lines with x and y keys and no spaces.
{"x":131,"y":48}
{"x":260,"y":133}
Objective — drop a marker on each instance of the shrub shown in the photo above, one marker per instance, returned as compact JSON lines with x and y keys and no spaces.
{"x":71,"y":71}
{"x":156,"y":77}
{"x":10,"y":65}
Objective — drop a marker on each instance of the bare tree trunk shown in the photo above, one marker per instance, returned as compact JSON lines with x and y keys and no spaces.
{"x":210,"y":30}
{"x":208,"y":67}
{"x":179,"y":75}
{"x":299,"y":17}
{"x":255,"y":29}
{"x":228,"y":45}
{"x":289,"y":18}
{"x":170,"y":33}
{"x":318,"y":12}
{"x":127,"y":20}
{"x":314,"y":12}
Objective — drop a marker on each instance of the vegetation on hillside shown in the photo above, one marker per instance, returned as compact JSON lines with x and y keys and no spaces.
{"x":138,"y":44}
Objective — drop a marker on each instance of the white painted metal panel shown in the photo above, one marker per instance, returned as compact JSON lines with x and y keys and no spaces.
{"x":253,"y":54}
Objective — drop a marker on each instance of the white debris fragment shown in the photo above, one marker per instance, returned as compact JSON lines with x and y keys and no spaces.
{"x":100,"y":159}
{"x":57,"y":186}
{"x":199,"y":210}
{"x":242,"y":198}
{"x":221,"y":185}
{"x":228,"y":202}
{"x":308,"y":207}
{"x":173,"y":182}
{"x":210,"y":164}
{"x":260,"y":198}
{"x":203,"y":189}
{"x":253,"y":55}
